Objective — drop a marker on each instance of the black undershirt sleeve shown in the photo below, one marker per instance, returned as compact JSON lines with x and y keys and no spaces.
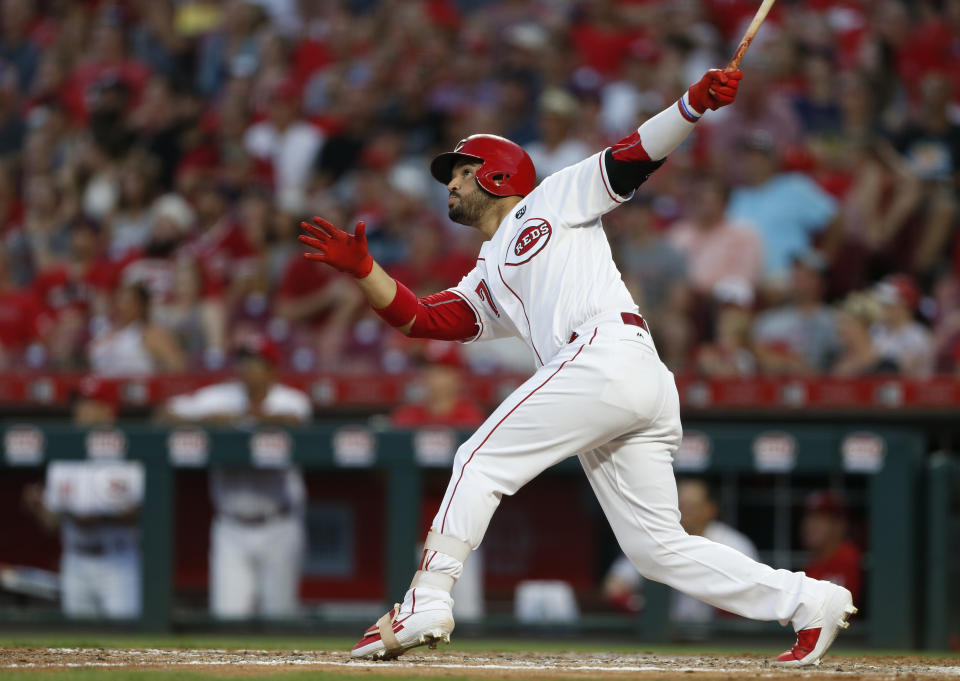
{"x":625,"y":176}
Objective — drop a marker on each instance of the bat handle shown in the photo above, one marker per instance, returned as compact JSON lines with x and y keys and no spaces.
{"x":738,"y":56}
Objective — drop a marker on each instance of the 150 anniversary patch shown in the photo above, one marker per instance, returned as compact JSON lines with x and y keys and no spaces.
{"x":532,"y":238}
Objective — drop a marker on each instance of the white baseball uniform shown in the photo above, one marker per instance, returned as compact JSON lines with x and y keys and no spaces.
{"x":100,"y":565}
{"x":258,"y":538}
{"x":600,"y":393}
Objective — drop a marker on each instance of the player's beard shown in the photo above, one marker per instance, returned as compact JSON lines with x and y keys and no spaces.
{"x":470,"y":208}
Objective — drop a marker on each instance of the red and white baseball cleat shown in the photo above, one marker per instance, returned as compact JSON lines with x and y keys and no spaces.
{"x":813,"y":642}
{"x":394,"y":634}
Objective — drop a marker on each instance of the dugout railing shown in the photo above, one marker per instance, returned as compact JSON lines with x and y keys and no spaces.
{"x":908,"y":588}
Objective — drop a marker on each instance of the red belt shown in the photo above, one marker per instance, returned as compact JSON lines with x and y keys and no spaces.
{"x":629,"y":318}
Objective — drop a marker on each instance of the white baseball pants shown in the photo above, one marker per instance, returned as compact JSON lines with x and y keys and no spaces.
{"x":609,"y":400}
{"x":103,"y":585}
{"x":255,"y":569}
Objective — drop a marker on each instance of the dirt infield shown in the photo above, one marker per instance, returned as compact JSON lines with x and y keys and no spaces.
{"x":443,"y":663}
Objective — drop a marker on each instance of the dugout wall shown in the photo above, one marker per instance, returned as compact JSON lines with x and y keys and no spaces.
{"x":908,"y":589}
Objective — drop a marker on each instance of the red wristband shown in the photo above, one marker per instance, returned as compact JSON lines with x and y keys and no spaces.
{"x":402,"y":309}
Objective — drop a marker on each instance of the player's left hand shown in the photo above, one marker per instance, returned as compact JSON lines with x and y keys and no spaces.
{"x":717,"y":88}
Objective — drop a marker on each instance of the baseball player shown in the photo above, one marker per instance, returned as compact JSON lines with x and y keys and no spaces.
{"x":258,"y":535}
{"x":600,"y":392}
{"x":96,"y":505}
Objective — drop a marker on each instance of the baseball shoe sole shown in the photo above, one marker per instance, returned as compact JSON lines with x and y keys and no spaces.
{"x":403,"y":633}
{"x":812,"y":644}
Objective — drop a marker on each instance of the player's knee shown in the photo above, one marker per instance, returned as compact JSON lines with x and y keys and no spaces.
{"x":651,"y":553}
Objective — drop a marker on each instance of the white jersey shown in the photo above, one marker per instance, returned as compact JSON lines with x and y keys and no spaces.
{"x":95,"y":489}
{"x":230,"y":399}
{"x":549,"y":268}
{"x":121,"y":352}
{"x":245,"y":492}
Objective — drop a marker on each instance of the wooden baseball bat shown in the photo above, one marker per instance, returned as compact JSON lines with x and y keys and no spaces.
{"x":748,"y":36}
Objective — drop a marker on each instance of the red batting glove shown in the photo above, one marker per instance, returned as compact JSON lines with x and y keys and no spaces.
{"x":345,"y":252}
{"x":717,"y":88}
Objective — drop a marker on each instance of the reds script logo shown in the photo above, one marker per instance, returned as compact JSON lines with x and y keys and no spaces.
{"x":533,"y":237}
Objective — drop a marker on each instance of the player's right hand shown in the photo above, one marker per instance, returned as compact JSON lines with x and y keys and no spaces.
{"x":345,"y":252}
{"x":717,"y":88}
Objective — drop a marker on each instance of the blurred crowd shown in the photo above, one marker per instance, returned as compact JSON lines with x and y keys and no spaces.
{"x":156,"y":157}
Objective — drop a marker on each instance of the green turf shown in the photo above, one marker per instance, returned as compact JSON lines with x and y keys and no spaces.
{"x":299,"y":642}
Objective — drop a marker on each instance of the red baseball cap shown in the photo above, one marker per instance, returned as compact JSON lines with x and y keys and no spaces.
{"x":259,"y":345}
{"x":99,"y":390}
{"x":443,"y":353}
{"x":898,"y":289}
{"x":824,"y":501}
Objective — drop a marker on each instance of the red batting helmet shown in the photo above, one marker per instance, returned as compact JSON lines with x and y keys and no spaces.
{"x":505,"y":170}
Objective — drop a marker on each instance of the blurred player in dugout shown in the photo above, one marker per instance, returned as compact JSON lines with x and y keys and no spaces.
{"x":96,"y":506}
{"x":258,"y":537}
{"x":832,"y":556}
{"x":698,"y":515}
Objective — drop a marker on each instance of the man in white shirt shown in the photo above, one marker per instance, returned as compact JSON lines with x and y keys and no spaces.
{"x":557,"y":147}
{"x":289,"y":143}
{"x":899,"y":339}
{"x":257,"y":539}
{"x":96,"y":506}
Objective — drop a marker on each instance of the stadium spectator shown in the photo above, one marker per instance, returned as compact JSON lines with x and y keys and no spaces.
{"x":197,"y":322}
{"x":46,"y":224}
{"x":130,"y":221}
{"x":257,"y":539}
{"x":104,"y":108}
{"x":786,"y":209}
{"x":946,"y":296}
{"x":230,"y":48}
{"x":652,"y":264}
{"x":288,"y":143}
{"x":931,"y":144}
{"x":316,"y":308}
{"x":19,"y":316}
{"x":443,"y":402}
{"x":556,"y":148}
{"x":13,"y":127}
{"x":172,"y":220}
{"x":130,"y":344}
{"x":73,"y":292}
{"x":222,"y":248}
{"x":879,"y":205}
{"x":765,"y":118}
{"x":832,"y":556}
{"x":857,"y":355}
{"x":730,"y":351}
{"x":699,"y":514}
{"x":16,"y":46}
{"x":655,"y":272}
{"x":715,"y":247}
{"x":898,"y":338}
{"x":799,"y":336}
{"x":818,"y":108}
{"x":635,"y":95}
